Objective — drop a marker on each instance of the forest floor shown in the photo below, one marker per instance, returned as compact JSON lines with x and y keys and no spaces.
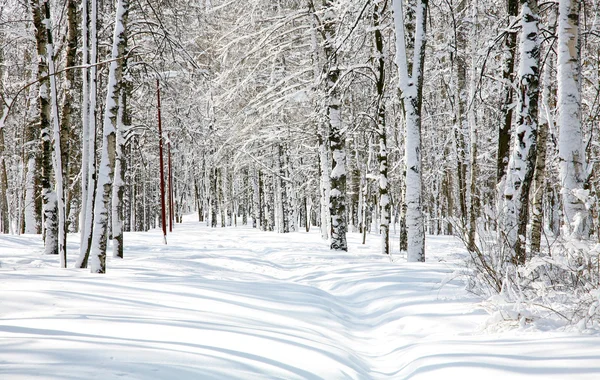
{"x":236,"y":303}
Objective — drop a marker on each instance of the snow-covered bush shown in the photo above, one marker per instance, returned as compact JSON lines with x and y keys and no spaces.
{"x":559,"y":284}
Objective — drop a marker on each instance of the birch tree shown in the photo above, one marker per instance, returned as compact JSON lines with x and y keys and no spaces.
{"x":522,"y":160}
{"x":411,"y":87}
{"x":57,"y":165}
{"x":4,"y":217}
{"x":510,"y":52}
{"x":572,"y":161}
{"x":88,"y":113}
{"x":45,"y":106}
{"x":337,"y":136}
{"x":108,"y":155}
{"x":382,"y":155}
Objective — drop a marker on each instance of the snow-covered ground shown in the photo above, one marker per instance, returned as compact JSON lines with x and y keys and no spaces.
{"x":237,"y":303}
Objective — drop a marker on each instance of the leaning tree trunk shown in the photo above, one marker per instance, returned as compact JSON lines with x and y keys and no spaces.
{"x":411,"y":87}
{"x":108,"y":155}
{"x":523,"y":155}
{"x":571,"y":152}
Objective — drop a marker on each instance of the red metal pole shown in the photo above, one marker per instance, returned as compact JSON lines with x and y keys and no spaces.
{"x":171,"y":210}
{"x":162,"y":170}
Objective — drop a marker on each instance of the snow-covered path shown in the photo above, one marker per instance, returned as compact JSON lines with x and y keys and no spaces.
{"x":237,"y":303}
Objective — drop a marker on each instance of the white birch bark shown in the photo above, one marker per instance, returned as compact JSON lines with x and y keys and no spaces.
{"x":85,"y":107}
{"x":572,"y":160}
{"x":108,"y":155}
{"x":31,"y":222}
{"x":45,"y":104}
{"x":119,"y":182}
{"x":57,"y":155}
{"x":410,"y":86}
{"x":337,"y":135}
{"x":471,"y":117}
{"x":522,"y":159}
{"x":381,"y":127}
{"x":325,"y":184}
{"x":88,"y":202}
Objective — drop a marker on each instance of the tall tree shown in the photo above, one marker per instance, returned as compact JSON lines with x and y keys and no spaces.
{"x":88,"y":112}
{"x":4,"y":217}
{"x":108,"y":155}
{"x":510,"y":52}
{"x":337,"y":135}
{"x":411,"y":87}
{"x":523,"y":155}
{"x":572,"y":160}
{"x":382,"y":155}
{"x":44,"y":51}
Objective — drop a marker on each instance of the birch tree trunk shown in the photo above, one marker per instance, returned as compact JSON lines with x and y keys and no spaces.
{"x":382,"y":155}
{"x":49,"y":207}
{"x":123,"y":124}
{"x":68,"y":109}
{"x":461,"y":123}
{"x":510,"y":47}
{"x":108,"y":156}
{"x":523,"y":155}
{"x":337,"y":136}
{"x":474,"y":203}
{"x":572,"y":161}
{"x":88,"y":162}
{"x":411,"y":87}
{"x":57,"y":155}
{"x":4,"y":216}
{"x":546,"y":123}
{"x":32,"y":205}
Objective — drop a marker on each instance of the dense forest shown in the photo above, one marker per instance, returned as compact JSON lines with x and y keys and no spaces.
{"x":390,"y":118}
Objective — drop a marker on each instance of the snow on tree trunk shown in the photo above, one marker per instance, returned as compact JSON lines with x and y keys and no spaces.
{"x":31,"y":217}
{"x":473,"y":85}
{"x":382,"y":155}
{"x":411,"y":88}
{"x":88,"y":163}
{"x":284,"y":204}
{"x":322,"y":128}
{"x":4,"y":216}
{"x":461,"y":123}
{"x":337,"y":135}
{"x":45,"y":108}
{"x":108,"y":155}
{"x":325,"y":184}
{"x":472,"y":122}
{"x":256,"y":199}
{"x":56,"y":138}
{"x":67,"y":117}
{"x":213,"y":197}
{"x":572,"y":160}
{"x":119,"y":180}
{"x":510,"y":48}
{"x":546,"y":123}
{"x":522,"y":159}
